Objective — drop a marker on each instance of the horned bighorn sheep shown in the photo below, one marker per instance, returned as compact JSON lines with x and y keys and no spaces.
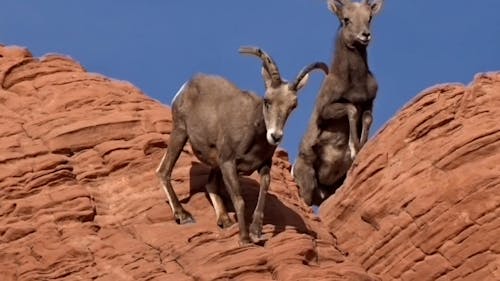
{"x":331,"y":142}
{"x":233,"y":131}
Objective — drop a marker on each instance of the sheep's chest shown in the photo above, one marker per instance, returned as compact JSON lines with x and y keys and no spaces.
{"x":360,"y":93}
{"x":248,"y":162}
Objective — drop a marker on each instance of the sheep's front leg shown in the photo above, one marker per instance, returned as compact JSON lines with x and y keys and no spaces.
{"x":230,"y":177}
{"x":339,"y":110}
{"x":258,"y":214}
{"x":353,"y":116}
{"x":366,"y":120}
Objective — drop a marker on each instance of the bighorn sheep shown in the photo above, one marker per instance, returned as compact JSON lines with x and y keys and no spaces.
{"x":331,"y":142}
{"x":233,"y":131}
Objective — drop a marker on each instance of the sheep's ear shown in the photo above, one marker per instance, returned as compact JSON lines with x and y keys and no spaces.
{"x":303,"y":82}
{"x":376,"y":6}
{"x":266,"y":77}
{"x":335,"y":6}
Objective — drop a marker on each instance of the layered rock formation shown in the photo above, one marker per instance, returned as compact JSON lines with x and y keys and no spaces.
{"x":423,"y":199}
{"x":79,"y":199}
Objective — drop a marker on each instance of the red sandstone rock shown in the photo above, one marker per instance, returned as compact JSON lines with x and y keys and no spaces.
{"x":422,"y":201}
{"x":79,"y":199}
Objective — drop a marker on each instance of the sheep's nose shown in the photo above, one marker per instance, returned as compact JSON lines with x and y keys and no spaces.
{"x":367,"y":35}
{"x":276,"y":137}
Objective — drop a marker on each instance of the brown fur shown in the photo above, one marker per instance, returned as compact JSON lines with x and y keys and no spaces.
{"x":229,"y":130}
{"x":343,"y":107}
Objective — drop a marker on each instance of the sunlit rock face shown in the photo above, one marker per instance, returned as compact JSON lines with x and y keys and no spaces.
{"x":79,"y":198}
{"x":422,"y":201}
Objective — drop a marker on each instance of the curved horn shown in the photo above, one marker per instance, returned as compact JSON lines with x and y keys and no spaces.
{"x":267,"y":62}
{"x":306,"y":70}
{"x":343,"y":2}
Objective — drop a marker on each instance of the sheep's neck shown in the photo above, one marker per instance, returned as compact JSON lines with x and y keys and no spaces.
{"x":349,"y":62}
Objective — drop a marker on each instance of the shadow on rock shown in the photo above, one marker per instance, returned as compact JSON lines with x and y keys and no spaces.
{"x":275,"y":212}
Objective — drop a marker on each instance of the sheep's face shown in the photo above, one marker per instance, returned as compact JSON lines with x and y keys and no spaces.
{"x":280,"y":100}
{"x":277,"y":105}
{"x":356,"y":19}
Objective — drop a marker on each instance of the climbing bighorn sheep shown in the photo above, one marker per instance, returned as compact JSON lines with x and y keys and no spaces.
{"x":233,"y":131}
{"x":343,"y":108}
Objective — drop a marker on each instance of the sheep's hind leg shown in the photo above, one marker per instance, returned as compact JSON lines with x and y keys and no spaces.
{"x":178,"y":139}
{"x":214,"y":181}
{"x":230,"y":177}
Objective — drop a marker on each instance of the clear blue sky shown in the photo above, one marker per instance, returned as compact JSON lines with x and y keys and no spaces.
{"x":157,"y":45}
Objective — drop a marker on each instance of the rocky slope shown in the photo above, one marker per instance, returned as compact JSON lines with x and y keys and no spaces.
{"x":423,"y":199}
{"x":79,"y":199}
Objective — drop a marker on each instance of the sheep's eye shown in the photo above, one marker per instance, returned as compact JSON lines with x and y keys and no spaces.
{"x":346,"y":21}
{"x":370,"y":20}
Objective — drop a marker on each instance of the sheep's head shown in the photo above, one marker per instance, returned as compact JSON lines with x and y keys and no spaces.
{"x":280,"y":98}
{"x":356,"y":18}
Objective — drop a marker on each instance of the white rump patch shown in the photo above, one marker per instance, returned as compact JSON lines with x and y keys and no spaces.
{"x":178,"y":92}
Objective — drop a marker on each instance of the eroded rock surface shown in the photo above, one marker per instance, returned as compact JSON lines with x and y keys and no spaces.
{"x":79,"y":199}
{"x":423,"y":199}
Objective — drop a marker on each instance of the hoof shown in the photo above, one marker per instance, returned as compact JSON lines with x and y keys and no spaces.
{"x":353,"y":155}
{"x":255,"y":230}
{"x":256,"y":234}
{"x":184,"y":217}
{"x":256,"y":239}
{"x":224,"y":222}
{"x":354,"y":151}
{"x":245,"y":242}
